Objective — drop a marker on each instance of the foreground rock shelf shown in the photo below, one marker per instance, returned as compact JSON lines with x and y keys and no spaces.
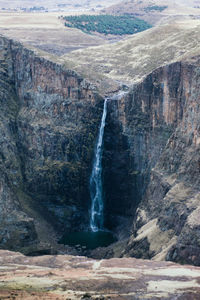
{"x":70,"y":277}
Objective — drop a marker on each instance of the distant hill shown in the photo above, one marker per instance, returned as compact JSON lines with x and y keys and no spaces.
{"x":153,"y":11}
{"x":128,"y":61}
{"x":54,"y":5}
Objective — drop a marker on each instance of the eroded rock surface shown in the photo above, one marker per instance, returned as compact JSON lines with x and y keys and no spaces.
{"x":160,"y":120}
{"x":69,"y":277}
{"x":48,"y":125}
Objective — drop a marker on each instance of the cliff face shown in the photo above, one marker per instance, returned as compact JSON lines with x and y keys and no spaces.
{"x":49,"y":122}
{"x":160,"y":120}
{"x":16,"y":228}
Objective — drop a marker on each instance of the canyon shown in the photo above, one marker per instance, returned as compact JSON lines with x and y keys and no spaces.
{"x":49,"y":123}
{"x":47,"y":136}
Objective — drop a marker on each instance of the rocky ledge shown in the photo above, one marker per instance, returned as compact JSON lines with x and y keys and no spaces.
{"x":70,"y":277}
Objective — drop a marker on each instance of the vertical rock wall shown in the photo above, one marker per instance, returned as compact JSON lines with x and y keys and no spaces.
{"x":139,"y":126}
{"x":160,"y":119}
{"x":49,"y":122}
{"x":16,"y":227}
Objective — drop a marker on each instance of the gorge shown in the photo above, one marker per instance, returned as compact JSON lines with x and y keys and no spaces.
{"x":97,"y":235}
{"x":50,"y":120}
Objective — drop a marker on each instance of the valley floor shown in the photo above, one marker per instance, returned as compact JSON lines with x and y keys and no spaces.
{"x":70,"y":277}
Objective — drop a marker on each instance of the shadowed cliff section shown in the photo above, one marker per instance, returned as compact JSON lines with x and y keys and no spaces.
{"x":161,"y":121}
{"x":16,"y":227}
{"x":49,"y":122}
{"x":138,"y":128}
{"x":120,"y":189}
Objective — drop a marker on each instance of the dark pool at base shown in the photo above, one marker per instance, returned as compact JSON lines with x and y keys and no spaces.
{"x":89,"y":240}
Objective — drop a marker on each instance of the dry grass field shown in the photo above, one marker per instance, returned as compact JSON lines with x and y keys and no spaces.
{"x":108,"y":65}
{"x":56,"y":5}
{"x":144,"y":9}
{"x":45,"y":31}
{"x":128,"y":61}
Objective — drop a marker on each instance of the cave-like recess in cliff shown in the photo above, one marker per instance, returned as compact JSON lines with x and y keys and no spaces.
{"x":116,"y":188}
{"x":120,"y":187}
{"x":97,"y":235}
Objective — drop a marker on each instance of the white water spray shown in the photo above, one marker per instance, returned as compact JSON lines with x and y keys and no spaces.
{"x":96,"y":189}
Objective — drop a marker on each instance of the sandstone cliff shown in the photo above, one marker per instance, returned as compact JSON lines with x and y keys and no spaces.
{"x":49,"y":122}
{"x":160,"y":120}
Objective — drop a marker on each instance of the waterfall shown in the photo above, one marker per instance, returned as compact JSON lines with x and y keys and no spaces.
{"x":96,"y":189}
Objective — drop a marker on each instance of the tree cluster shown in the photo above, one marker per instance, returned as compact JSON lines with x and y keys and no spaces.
{"x":155,"y":7}
{"x":107,"y":24}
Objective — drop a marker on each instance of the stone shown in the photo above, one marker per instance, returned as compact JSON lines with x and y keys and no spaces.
{"x":70,"y":277}
{"x":160,"y":121}
{"x":48,"y":125}
{"x":49,"y":122}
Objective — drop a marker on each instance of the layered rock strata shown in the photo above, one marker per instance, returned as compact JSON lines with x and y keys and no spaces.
{"x":160,"y":121}
{"x":49,"y":122}
{"x":69,"y":277}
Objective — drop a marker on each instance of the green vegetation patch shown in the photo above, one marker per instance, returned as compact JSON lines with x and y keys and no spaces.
{"x":155,"y":7}
{"x":107,"y":24}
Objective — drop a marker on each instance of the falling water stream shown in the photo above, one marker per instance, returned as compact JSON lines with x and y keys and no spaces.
{"x":96,"y":189}
{"x":98,"y":236}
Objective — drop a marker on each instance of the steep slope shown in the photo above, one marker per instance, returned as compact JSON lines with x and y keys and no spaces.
{"x":49,"y":121}
{"x":128,"y":61}
{"x":154,"y":11}
{"x":17,"y":229}
{"x":160,"y":119}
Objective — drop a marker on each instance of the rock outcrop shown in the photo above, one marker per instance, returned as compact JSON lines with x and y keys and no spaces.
{"x":160,"y":121}
{"x":49,"y":122}
{"x":69,"y":277}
